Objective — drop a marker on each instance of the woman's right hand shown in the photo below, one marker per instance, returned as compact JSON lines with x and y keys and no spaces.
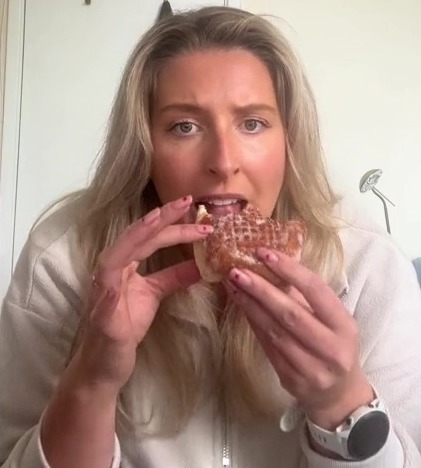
{"x":123,"y":304}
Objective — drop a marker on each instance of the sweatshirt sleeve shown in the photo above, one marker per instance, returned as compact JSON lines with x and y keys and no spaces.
{"x":38,"y":323}
{"x":385,"y":299}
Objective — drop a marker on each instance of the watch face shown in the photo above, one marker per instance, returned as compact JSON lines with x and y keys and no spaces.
{"x":368,"y":435}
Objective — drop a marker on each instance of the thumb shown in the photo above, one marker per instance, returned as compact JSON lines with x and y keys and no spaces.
{"x":173,"y":278}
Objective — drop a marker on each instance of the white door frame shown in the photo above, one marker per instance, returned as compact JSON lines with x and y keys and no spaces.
{"x":9,"y":159}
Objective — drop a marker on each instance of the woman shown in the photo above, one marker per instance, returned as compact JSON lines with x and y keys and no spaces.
{"x":146,"y":366}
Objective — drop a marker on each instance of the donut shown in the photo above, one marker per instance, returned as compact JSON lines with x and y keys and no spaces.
{"x":236,"y":237}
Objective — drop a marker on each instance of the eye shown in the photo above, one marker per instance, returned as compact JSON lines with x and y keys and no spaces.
{"x":184,"y":128}
{"x":254,"y":125}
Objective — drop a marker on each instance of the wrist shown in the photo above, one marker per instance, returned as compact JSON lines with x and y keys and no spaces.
{"x":324,"y":452}
{"x":332,"y":415}
{"x":78,"y":426}
{"x":360,"y":436}
{"x":78,"y":383}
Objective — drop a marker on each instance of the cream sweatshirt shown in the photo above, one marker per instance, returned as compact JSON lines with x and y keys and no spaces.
{"x":40,"y":317}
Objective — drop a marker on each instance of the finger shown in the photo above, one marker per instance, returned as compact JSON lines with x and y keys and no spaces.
{"x":123,"y":252}
{"x":314,"y":372}
{"x":267,"y":332}
{"x":325,"y":304}
{"x":288,"y":375}
{"x":294,"y":294}
{"x":296,"y":366}
{"x":286,"y":312}
{"x":174,"y":278}
{"x":142,"y":231}
{"x":173,"y":235}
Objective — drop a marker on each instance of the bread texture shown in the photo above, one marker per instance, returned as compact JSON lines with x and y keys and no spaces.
{"x":237,"y":236}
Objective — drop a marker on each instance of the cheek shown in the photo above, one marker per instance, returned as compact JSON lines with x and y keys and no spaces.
{"x":171,"y":178}
{"x":270,"y":168}
{"x":268,"y":173}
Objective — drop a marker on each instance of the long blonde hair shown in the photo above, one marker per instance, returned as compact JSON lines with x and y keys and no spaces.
{"x":184,"y":356}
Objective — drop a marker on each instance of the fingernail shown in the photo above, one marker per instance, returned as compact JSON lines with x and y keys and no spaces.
{"x":205,"y":228}
{"x":151,"y":216}
{"x":182,"y":202}
{"x":267,"y":255}
{"x":240,"y":277}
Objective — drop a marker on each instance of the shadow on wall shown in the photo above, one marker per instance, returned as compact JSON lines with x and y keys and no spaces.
{"x":417,"y":264}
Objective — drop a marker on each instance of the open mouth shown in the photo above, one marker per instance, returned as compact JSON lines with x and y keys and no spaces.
{"x":222,"y":206}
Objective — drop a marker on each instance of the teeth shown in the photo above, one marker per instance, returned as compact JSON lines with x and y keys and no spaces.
{"x":222,"y":202}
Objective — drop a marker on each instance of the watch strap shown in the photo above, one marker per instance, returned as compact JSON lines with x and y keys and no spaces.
{"x":337,"y":441}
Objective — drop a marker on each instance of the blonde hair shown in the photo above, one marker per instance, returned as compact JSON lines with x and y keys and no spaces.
{"x":201,"y":351}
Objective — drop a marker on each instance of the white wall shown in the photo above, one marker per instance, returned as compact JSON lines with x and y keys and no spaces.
{"x":72,"y":57}
{"x":363,"y":58}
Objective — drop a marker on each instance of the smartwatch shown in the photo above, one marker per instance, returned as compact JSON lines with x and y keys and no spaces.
{"x":360,"y":436}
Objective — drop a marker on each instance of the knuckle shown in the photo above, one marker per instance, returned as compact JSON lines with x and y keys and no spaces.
{"x":291,"y":317}
{"x":343,"y":361}
{"x":314,"y":286}
{"x":352,"y":331}
{"x":186,"y":230}
{"x":131,"y":233}
{"x":321,"y":380}
{"x":130,"y":228}
{"x":277,"y":337}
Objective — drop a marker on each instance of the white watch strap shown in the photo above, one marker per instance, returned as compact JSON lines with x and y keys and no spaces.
{"x":337,"y":441}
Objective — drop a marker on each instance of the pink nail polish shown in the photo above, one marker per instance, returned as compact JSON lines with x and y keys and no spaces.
{"x":241,"y":278}
{"x":271,"y":258}
{"x":205,"y":229}
{"x":268,"y":256}
{"x":182,"y":202}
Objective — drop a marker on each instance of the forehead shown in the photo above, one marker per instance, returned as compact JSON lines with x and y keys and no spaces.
{"x":233,"y":74}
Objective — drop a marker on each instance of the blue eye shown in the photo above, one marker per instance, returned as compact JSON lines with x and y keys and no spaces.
{"x":184,"y":128}
{"x":253,"y":125}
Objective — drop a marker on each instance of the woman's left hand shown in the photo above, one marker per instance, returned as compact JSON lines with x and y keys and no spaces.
{"x":309,"y":337}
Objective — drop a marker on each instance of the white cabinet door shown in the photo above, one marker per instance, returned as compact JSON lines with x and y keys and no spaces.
{"x":73,"y":55}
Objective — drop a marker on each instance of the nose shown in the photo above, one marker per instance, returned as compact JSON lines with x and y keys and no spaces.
{"x":223,"y":157}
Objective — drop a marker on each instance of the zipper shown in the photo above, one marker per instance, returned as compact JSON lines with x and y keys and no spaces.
{"x":226,"y":452}
{"x":226,"y":449}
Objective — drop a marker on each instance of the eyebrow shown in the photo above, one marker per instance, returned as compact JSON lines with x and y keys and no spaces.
{"x":186,"y":107}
